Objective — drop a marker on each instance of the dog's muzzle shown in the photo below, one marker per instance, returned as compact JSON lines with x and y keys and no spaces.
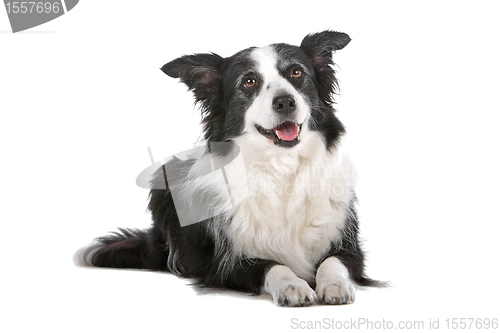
{"x":285,"y":135}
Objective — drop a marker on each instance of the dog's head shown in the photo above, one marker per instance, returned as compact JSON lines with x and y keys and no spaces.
{"x":270,"y":93}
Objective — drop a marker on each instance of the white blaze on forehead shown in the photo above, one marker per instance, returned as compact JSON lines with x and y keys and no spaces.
{"x":266,"y":60}
{"x":261,"y":111}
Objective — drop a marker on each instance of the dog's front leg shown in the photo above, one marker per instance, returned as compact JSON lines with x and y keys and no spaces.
{"x":264,"y":276}
{"x":333,"y":285}
{"x":287,"y":288}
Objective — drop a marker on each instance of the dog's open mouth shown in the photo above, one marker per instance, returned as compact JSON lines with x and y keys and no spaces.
{"x":284,"y":135}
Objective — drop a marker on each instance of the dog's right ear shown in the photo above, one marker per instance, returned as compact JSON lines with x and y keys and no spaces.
{"x":200,"y":72}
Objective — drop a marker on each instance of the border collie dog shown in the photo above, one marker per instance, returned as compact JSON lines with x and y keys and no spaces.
{"x":293,"y":231}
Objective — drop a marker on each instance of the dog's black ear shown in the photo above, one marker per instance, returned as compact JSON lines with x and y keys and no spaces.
{"x":200,"y":72}
{"x":322,"y":44}
{"x":319,"y":47}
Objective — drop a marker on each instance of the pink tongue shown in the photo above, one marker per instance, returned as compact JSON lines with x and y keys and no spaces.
{"x":287,"y":131}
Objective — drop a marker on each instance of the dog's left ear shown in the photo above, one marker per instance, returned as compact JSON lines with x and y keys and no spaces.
{"x":319,"y":47}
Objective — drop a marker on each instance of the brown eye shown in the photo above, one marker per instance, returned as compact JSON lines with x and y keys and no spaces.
{"x":296,"y":73}
{"x":249,"y":83}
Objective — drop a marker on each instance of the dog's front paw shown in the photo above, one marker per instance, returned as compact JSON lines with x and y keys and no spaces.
{"x":287,"y":289}
{"x":294,"y":293}
{"x":336,"y":292}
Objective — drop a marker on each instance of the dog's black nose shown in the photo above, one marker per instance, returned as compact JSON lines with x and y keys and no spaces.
{"x":284,"y":104}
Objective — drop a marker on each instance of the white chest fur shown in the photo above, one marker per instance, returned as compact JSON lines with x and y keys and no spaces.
{"x":295,"y":203}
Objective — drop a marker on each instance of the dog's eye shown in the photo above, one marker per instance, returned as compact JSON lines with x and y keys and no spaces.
{"x":296,"y":73}
{"x":249,"y":83}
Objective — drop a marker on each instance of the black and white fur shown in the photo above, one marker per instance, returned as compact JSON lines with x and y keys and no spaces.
{"x":294,"y":231}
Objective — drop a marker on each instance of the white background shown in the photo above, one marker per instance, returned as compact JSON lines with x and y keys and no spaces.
{"x":82,"y":97}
